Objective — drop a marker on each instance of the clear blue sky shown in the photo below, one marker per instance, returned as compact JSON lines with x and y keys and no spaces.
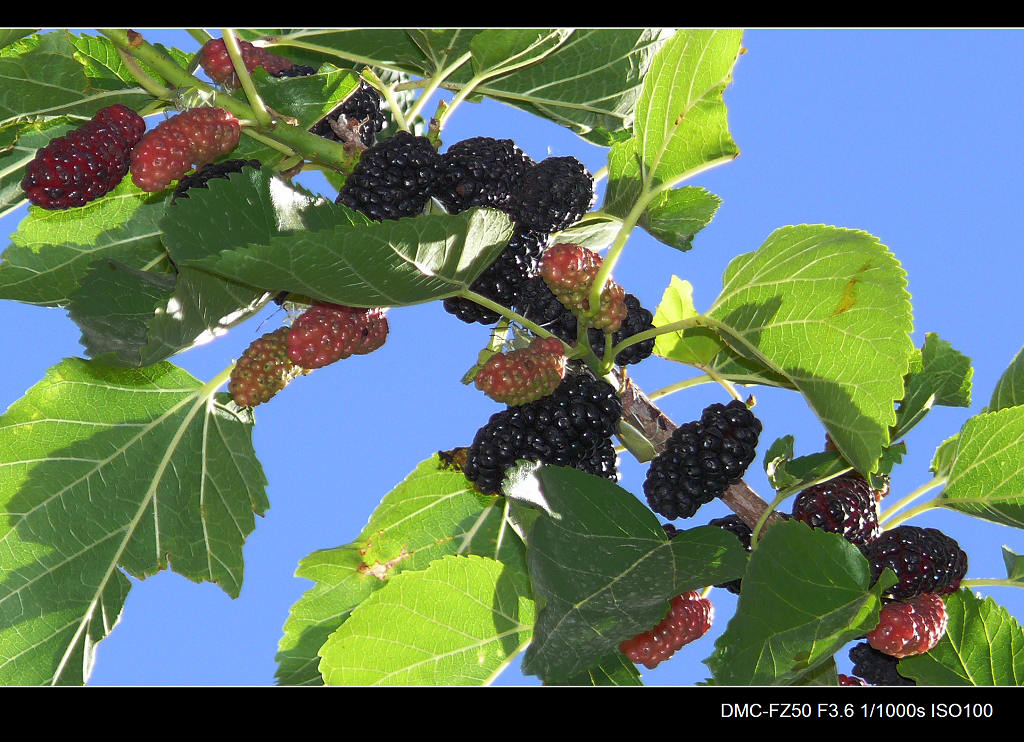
{"x":911,"y":135}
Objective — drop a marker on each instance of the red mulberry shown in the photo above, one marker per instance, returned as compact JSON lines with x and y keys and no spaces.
{"x":216,"y":62}
{"x":523,"y":375}
{"x":910,"y":627}
{"x":326,"y":333}
{"x":196,"y":136}
{"x":688,"y":619}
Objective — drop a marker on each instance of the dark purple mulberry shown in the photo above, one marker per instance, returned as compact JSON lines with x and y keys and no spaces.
{"x":553,"y":195}
{"x":570,"y":427}
{"x":481,"y":171}
{"x":393,"y":178}
{"x":206,"y":173}
{"x":502,"y":280}
{"x":844,"y":505}
{"x":875,"y":667}
{"x":925,"y":560}
{"x":85,"y":163}
{"x":360,"y":111}
{"x":701,"y":459}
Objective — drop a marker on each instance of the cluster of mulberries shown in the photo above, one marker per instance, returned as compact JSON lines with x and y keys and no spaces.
{"x":701,"y":459}
{"x":689,"y":618}
{"x":537,"y":303}
{"x":196,"y":136}
{"x":85,"y":163}
{"x":572,"y":426}
{"x":216,"y":62}
{"x":359,"y":116}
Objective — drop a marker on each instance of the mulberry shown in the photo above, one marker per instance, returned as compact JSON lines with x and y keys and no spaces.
{"x":569,"y":271}
{"x":910,"y":627}
{"x":361,"y":112}
{"x":566,"y":428}
{"x":877,"y":668}
{"x":523,"y":375}
{"x":502,"y":280}
{"x":216,"y":62}
{"x":208,"y":172}
{"x":689,"y":618}
{"x":326,"y":333}
{"x":197,"y":136}
{"x":925,"y":560}
{"x":263,"y":369}
{"x":844,"y":505}
{"x":701,"y":459}
{"x":393,"y":179}
{"x":481,"y":171}
{"x":85,"y":163}
{"x":552,"y":195}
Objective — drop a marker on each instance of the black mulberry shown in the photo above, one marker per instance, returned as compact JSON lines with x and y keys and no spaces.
{"x":876,"y":668}
{"x":570,"y":427}
{"x":553,"y":195}
{"x":844,"y":505}
{"x":701,"y":459}
{"x":925,"y":560}
{"x":501,"y":280}
{"x":393,"y":178}
{"x":481,"y":171}
{"x":360,"y":111}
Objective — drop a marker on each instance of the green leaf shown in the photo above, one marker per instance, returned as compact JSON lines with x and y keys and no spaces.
{"x":390,"y":48}
{"x":380,"y":264}
{"x":983,"y":645}
{"x":52,"y":251}
{"x":1014,"y":566}
{"x":615,"y":669}
{"x":986,"y":470}
{"x":589,"y":84}
{"x":605,"y":569}
{"x":137,"y":318}
{"x":48,"y":81}
{"x":675,"y":216}
{"x":939,"y":374}
{"x":700,"y":346}
{"x":828,"y":309}
{"x":458,"y":622}
{"x":1009,"y":391}
{"x":107,"y":473}
{"x":433,"y":512}
{"x":500,"y":50}
{"x":9,"y":35}
{"x":806,"y":593}
{"x":308,"y":98}
{"x":681,"y":123}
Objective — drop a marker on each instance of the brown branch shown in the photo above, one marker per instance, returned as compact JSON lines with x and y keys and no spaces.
{"x":645,"y":416}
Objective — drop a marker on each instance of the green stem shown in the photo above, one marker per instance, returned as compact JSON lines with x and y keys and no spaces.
{"x":506,"y":312}
{"x":434,"y":84}
{"x":147,"y":83}
{"x":678,"y":326}
{"x":679,"y":386}
{"x":926,"y":487}
{"x":994,"y":581}
{"x":262,"y":115}
{"x":912,"y":513}
{"x":726,"y":384}
{"x":389,"y":96}
{"x":199,"y":34}
{"x":325,"y":151}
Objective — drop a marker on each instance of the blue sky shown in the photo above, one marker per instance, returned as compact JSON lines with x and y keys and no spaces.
{"x":911,"y":135}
